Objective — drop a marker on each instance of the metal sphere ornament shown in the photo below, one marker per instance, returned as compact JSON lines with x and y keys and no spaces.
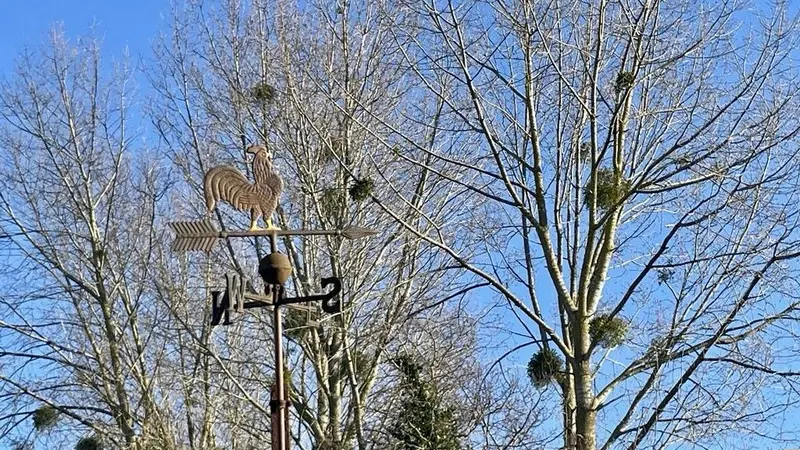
{"x":275,"y":268}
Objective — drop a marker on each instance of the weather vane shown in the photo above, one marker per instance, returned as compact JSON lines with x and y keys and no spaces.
{"x":259,"y":198}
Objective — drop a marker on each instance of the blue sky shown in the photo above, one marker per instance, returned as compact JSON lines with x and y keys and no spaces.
{"x":120,"y":24}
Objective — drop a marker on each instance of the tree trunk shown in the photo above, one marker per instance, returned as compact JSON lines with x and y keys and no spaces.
{"x":585,"y":414}
{"x":568,"y":408}
{"x":585,"y":418}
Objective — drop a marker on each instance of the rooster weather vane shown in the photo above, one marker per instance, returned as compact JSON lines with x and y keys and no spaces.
{"x":259,"y":198}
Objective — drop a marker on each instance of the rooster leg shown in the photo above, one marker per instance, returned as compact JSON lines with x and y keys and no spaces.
{"x":254,"y":213}
{"x":270,"y":225}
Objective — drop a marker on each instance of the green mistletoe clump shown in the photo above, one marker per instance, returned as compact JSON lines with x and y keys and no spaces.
{"x":607,"y":331}
{"x":544,"y":367}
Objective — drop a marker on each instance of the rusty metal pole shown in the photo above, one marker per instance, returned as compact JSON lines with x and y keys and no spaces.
{"x":281,"y":434}
{"x":280,"y":441}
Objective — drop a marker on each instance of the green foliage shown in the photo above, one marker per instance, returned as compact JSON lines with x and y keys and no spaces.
{"x":361,"y":189}
{"x":611,"y":188}
{"x":288,"y":375}
{"x":45,"y":417}
{"x":664,"y":275}
{"x":263,"y":93}
{"x":423,"y":421}
{"x":682,"y":160}
{"x":661,"y":346}
{"x":608,"y":332}
{"x":287,"y":383}
{"x":89,"y":443}
{"x":544,"y":367}
{"x":624,"y":82}
{"x":296,"y":322}
{"x":338,"y":144}
{"x":332,"y":202}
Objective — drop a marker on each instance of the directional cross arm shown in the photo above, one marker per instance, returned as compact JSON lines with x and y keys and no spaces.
{"x":330,"y":300}
{"x":235,"y":299}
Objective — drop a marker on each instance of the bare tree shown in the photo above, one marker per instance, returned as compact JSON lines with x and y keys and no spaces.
{"x":304,"y":80}
{"x":634,"y":163}
{"x":78,"y":316}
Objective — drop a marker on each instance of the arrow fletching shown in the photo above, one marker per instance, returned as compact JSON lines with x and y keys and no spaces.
{"x":194,"y":236}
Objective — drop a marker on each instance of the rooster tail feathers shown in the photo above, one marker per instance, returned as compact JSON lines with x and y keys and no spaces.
{"x":209,"y":191}
{"x":223,"y":183}
{"x":210,"y":200}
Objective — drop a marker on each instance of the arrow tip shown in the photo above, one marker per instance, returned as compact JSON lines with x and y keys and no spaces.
{"x":358,"y":232}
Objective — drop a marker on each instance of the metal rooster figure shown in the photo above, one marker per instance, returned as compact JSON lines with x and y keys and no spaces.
{"x":260,"y":198}
{"x":226,"y":183}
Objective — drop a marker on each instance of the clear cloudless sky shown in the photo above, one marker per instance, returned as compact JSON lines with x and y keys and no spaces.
{"x":120,"y":24}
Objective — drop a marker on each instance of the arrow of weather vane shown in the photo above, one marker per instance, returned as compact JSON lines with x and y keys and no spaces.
{"x":202,"y":236}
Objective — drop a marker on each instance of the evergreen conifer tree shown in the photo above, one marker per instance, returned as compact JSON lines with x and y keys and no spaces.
{"x":423,"y":421}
